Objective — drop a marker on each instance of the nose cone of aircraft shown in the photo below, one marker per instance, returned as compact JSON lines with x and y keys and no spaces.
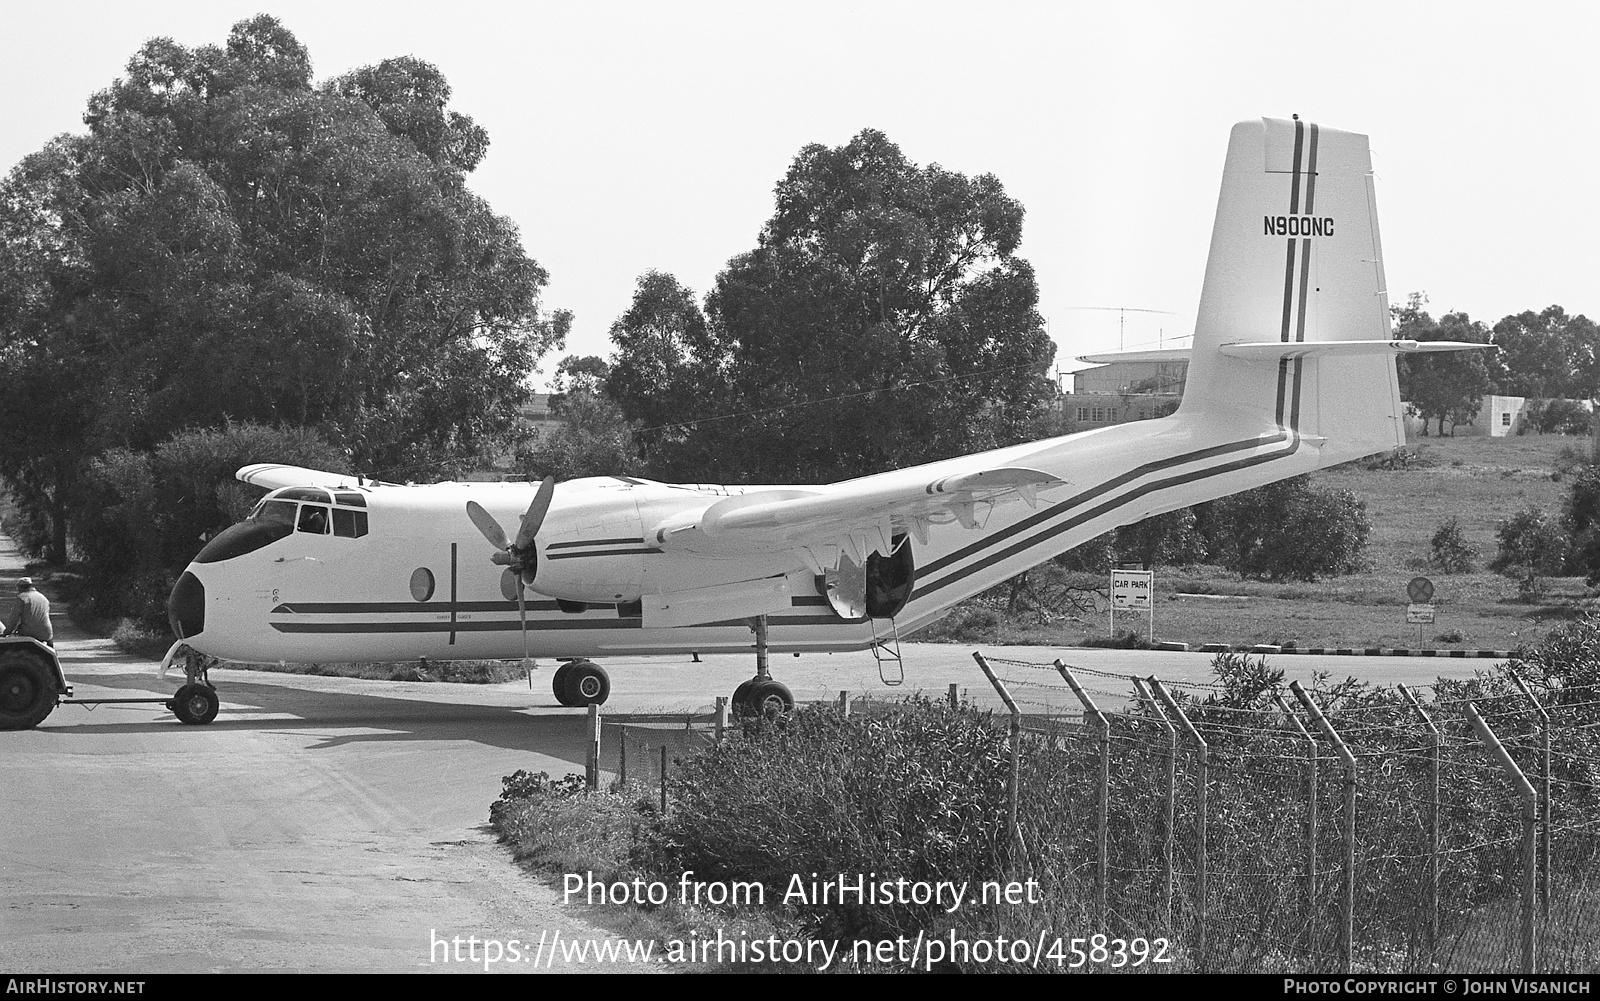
{"x":186,"y":606}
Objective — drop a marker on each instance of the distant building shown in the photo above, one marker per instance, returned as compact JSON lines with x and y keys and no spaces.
{"x":1498,"y":416}
{"x":1124,"y":391}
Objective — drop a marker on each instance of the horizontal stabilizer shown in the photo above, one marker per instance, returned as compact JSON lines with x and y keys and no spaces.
{"x":1271,"y":351}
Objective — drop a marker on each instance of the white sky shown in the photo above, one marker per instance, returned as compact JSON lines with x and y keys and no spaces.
{"x":631,"y":136}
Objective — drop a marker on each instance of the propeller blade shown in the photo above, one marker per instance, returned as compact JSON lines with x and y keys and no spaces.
{"x":487,"y":525}
{"x":536,"y":512}
{"x":522,"y":610}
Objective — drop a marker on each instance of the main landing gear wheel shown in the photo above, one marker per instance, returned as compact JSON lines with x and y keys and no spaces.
{"x":581,"y":683}
{"x":195,"y":704}
{"x":558,"y":684}
{"x":27,"y":690}
{"x":762,"y":697}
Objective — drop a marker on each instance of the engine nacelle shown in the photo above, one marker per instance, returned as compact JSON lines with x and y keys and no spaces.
{"x":591,"y":547}
{"x":878,"y":590}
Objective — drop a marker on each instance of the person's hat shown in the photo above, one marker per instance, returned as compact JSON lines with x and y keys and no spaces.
{"x":24,"y":583}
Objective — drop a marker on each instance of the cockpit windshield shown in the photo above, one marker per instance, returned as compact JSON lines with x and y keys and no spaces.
{"x":273,"y":512}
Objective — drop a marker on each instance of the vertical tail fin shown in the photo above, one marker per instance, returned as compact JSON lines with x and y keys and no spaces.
{"x":1295,"y":259}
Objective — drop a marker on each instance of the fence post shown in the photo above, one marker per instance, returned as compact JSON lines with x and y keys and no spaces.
{"x":844,"y":703}
{"x":1530,"y":817}
{"x":954,"y":700}
{"x":1546,"y":818}
{"x":722,"y":716}
{"x":1170,"y":804}
{"x":592,"y":764}
{"x":1311,"y":818}
{"x":1102,"y":859}
{"x":1347,"y":915}
{"x":622,"y":757}
{"x":663,"y":780}
{"x":1435,"y":750}
{"x":1016,"y":740}
{"x":1204,"y":762}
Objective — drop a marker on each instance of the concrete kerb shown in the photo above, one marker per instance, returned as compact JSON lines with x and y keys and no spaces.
{"x":1371,"y":651}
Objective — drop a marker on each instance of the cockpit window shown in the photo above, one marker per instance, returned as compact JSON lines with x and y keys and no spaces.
{"x":349,"y":524}
{"x":313,"y":519}
{"x":352,"y":499}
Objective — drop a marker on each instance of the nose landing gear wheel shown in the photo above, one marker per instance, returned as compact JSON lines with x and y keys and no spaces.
{"x":195,"y":704}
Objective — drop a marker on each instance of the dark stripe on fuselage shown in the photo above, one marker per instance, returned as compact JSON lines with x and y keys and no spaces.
{"x":474,"y":607}
{"x":600,"y":552}
{"x":541,"y":625}
{"x":636,"y":541}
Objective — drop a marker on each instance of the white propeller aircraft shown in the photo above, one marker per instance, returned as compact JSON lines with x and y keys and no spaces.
{"x":1291,"y":370}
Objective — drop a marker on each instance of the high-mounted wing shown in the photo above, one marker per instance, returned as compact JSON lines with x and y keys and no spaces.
{"x":862,"y":514}
{"x":273,"y":475}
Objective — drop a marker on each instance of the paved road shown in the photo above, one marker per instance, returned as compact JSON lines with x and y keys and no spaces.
{"x":333,"y":824}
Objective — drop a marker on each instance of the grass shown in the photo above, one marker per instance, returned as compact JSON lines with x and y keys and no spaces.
{"x":1480,"y":481}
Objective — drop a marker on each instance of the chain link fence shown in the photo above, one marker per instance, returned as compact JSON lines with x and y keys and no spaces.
{"x":1338,"y":828}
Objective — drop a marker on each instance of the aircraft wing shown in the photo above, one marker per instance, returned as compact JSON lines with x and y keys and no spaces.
{"x":273,"y":475}
{"x":864,"y":514}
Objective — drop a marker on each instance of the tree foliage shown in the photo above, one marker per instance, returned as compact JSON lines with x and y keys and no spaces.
{"x":229,"y":242}
{"x":1444,"y":386}
{"x":590,"y":436}
{"x":882,"y":319}
{"x":1547,"y":354}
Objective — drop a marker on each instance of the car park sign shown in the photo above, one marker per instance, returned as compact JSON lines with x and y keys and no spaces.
{"x":1131,"y":589}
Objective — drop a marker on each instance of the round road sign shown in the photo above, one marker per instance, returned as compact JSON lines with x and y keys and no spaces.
{"x":1421,"y":590}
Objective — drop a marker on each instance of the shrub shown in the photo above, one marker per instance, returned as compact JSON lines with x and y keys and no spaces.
{"x":919,"y":793}
{"x":964,"y":624}
{"x":1532,"y":546}
{"x":1582,"y":521}
{"x":1165,"y":539}
{"x":1451,"y":552}
{"x":1287,"y":531}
